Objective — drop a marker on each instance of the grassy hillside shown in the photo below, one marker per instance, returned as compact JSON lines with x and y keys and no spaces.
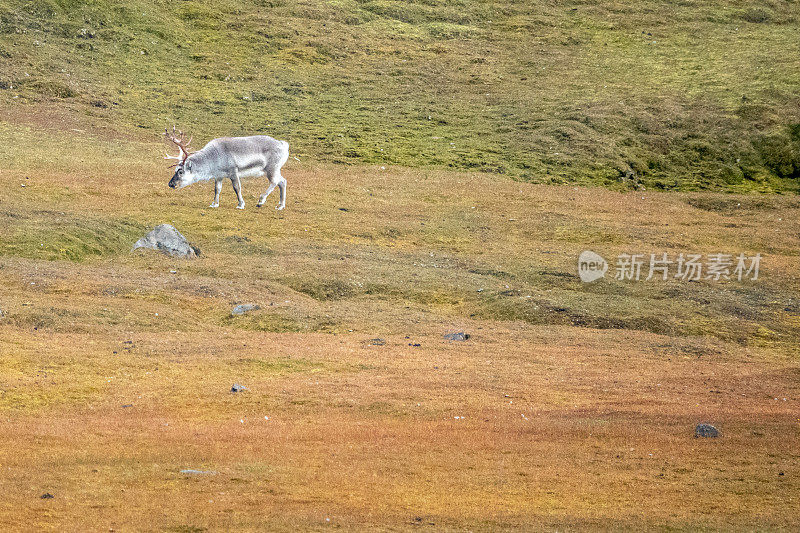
{"x":448,"y":241}
{"x":572,"y":405}
{"x":687,"y":95}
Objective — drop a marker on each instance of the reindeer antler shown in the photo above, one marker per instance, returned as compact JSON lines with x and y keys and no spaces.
{"x":179,"y":141}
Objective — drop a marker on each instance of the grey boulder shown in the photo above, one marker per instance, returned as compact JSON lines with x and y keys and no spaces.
{"x":460,"y":336}
{"x":244,"y":308}
{"x":165,"y":238}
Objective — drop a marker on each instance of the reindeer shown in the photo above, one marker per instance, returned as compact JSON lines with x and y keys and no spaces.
{"x":232,"y":158}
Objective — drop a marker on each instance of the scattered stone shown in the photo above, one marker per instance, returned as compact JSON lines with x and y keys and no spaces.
{"x":2,"y":313}
{"x":460,"y":336}
{"x":375,"y":342}
{"x":244,"y":308}
{"x":198,"y":472}
{"x":706,"y":430}
{"x":46,"y":496}
{"x":414,"y":344}
{"x":238,"y":388}
{"x":127,"y":405}
{"x":165,"y":238}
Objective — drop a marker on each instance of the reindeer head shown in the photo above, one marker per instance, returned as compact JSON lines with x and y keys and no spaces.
{"x":183,"y":168}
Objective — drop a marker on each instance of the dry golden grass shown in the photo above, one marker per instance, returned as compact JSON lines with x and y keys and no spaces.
{"x":115,"y":372}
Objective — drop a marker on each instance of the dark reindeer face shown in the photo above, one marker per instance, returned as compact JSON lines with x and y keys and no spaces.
{"x":183,"y":175}
{"x":177,"y":178}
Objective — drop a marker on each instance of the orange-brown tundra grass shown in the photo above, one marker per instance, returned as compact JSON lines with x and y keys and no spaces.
{"x":115,"y":372}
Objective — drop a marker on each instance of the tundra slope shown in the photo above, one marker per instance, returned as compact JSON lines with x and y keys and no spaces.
{"x":612,"y":377}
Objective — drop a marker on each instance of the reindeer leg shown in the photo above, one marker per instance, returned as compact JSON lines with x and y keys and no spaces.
{"x":217,"y":189}
{"x":237,"y":188}
{"x":282,"y":187}
{"x":263,"y":197}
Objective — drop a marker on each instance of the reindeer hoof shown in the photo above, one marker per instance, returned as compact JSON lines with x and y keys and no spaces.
{"x":280,"y":207}
{"x":214,"y":205}
{"x":240,"y":206}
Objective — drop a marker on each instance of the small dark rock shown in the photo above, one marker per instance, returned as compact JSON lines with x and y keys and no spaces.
{"x":706,"y":430}
{"x":460,"y":336}
{"x":127,"y":405}
{"x":415,"y":344}
{"x":238,"y":388}
{"x":377,"y":342}
{"x":46,"y":496}
{"x":244,"y":308}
